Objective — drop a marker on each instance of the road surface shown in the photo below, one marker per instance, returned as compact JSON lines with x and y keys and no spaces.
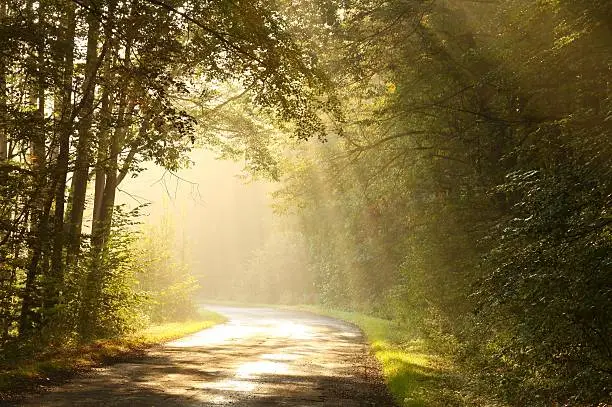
{"x":260,"y":357}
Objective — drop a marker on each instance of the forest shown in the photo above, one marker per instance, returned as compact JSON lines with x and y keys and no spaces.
{"x":442,"y":164}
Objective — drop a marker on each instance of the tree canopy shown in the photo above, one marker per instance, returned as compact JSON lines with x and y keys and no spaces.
{"x":467,"y":189}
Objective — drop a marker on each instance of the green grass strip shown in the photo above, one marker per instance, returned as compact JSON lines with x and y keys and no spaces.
{"x":415,"y":376}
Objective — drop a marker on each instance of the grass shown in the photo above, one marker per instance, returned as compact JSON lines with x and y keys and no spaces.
{"x":415,"y":375}
{"x":160,"y":333}
{"x":57,"y":364}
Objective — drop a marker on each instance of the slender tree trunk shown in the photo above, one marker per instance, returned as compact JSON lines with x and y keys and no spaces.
{"x":40,"y":204}
{"x":91,"y":294}
{"x":101,"y":162}
{"x":31,"y":289}
{"x":81,"y":171}
{"x":39,"y":136}
{"x":95,"y":276}
{"x":5,"y":217}
{"x":102,"y":158}
{"x":8,"y":282}
{"x":114,"y":174}
{"x":104,"y":169}
{"x":64,"y":110}
{"x":3,"y":95}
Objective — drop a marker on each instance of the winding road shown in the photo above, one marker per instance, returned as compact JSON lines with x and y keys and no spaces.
{"x":260,"y":357}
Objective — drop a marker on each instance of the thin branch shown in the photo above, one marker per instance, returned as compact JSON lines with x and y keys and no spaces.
{"x":195,"y":187}
{"x":136,"y":198}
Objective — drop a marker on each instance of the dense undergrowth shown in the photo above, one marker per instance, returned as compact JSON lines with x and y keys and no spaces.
{"x":146,"y":299}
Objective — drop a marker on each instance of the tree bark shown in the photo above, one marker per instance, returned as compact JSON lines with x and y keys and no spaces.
{"x":105,"y":168}
{"x":3,"y":95}
{"x":81,"y":171}
{"x":40,"y":204}
{"x":106,"y":112}
{"x":64,"y":111}
{"x":102,"y":157}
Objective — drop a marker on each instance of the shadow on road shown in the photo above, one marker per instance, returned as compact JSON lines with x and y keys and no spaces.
{"x":258,"y":359}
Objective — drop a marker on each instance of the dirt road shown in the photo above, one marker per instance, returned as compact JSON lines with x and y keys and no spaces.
{"x":261,"y":357}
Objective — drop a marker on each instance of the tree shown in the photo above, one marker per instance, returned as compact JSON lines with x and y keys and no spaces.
{"x":71,"y":112}
{"x":488,"y":200}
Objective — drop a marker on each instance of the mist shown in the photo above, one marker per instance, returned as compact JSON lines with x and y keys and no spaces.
{"x":221,"y":216}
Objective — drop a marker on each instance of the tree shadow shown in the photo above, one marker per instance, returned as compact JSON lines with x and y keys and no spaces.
{"x":211,"y":376}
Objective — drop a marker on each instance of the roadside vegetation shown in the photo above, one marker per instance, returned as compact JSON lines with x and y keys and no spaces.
{"x":416,"y":370}
{"x":89,"y":94}
{"x":412,"y":372}
{"x":156,"y":304}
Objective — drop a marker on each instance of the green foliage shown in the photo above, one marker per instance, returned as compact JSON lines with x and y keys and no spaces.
{"x":416,"y":376}
{"x":117,"y":308}
{"x":550,"y":281}
{"x":465,"y":185}
{"x":64,"y":359}
{"x":88,"y":94}
{"x":104,"y":304}
{"x":468,"y":189}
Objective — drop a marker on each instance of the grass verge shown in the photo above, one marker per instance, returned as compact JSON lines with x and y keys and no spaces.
{"x":415,"y":375}
{"x":57,"y":364}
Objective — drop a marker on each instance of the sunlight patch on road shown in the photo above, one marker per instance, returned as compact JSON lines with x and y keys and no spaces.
{"x":236,"y":330}
{"x":254,"y":369}
{"x":284,"y":357}
{"x":229,"y":385}
{"x":292,"y":330}
{"x":216,"y":335}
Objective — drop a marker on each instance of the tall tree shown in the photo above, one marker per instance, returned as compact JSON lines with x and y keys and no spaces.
{"x":85,"y":113}
{"x":96,"y":88}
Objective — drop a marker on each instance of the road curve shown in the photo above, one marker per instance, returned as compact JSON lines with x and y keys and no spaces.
{"x":261,"y":357}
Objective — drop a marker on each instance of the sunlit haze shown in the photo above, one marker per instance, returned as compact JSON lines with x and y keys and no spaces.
{"x":220,"y":214}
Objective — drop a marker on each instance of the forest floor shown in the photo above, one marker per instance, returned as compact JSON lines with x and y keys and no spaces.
{"x":261,"y":357}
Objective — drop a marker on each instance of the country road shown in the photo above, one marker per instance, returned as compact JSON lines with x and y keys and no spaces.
{"x":260,"y":357}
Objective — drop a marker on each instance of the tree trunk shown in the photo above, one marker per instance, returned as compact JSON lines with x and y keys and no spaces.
{"x":3,"y":107}
{"x":64,"y":110}
{"x":101,"y":162}
{"x":40,"y":204}
{"x":80,"y":176}
{"x":103,"y":145}
{"x":95,"y":276}
{"x":105,"y":168}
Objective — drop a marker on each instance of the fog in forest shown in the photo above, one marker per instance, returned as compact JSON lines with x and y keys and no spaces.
{"x":221,"y":217}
